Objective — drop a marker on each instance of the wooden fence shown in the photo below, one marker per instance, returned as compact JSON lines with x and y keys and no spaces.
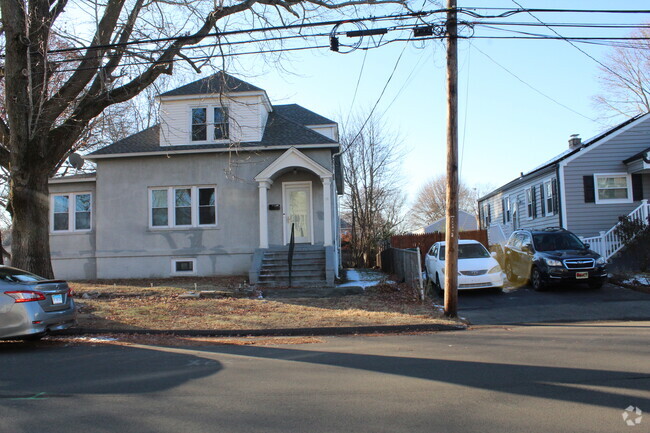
{"x":425,"y":240}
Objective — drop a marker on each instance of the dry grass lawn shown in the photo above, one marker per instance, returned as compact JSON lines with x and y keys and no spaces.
{"x":149,"y":304}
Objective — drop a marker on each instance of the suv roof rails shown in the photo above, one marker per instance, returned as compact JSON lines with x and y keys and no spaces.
{"x":554,"y":229}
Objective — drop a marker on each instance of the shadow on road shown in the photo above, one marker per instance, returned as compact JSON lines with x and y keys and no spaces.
{"x":559,"y":383}
{"x":36,"y":371}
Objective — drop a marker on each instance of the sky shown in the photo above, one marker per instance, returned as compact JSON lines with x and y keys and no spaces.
{"x":517,"y":107}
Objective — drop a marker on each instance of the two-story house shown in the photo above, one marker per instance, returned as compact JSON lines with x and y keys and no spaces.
{"x":213,"y":189}
{"x":584,"y":189}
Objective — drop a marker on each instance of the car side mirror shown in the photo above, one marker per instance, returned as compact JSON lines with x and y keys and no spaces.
{"x":493,"y":254}
{"x":587,"y":246}
{"x":527,"y":248}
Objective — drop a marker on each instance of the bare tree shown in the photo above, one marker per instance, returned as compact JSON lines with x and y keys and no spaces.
{"x":430,"y":203}
{"x":374,"y":200}
{"x":50,"y":101}
{"x":625,"y":78}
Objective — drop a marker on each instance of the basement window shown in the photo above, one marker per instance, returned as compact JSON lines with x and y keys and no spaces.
{"x":183,"y":267}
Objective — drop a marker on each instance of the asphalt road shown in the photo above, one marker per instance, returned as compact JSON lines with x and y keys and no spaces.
{"x":559,"y":304}
{"x":546,"y":378}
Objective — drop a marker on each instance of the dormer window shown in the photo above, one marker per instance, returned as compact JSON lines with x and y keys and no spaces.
{"x":212,"y":128}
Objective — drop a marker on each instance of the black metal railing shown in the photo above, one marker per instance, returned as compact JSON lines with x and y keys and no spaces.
{"x":292,"y":244}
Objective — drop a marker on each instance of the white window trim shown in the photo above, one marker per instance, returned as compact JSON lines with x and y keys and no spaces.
{"x":548,"y":210}
{"x":530,"y":204}
{"x":628,"y":179}
{"x":171,"y":207}
{"x":209,"y":108}
{"x":72,"y":214}
{"x":183,"y":259}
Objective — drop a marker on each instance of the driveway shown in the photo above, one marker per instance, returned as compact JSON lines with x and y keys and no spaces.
{"x":562,"y":304}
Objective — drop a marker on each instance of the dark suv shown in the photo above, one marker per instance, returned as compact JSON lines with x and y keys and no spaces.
{"x":552,"y":255}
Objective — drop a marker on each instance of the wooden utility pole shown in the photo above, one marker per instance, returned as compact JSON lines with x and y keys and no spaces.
{"x":451,"y":234}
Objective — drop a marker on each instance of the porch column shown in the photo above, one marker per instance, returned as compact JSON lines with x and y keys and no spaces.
{"x":263,"y":187}
{"x":327,"y":210}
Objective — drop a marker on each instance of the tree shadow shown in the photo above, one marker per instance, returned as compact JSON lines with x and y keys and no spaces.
{"x":558,"y":383}
{"x":39,"y":371}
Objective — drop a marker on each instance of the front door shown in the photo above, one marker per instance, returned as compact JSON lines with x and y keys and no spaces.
{"x":297,"y":211}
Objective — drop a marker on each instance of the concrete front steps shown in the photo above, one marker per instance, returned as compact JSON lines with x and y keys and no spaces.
{"x":309,"y":267}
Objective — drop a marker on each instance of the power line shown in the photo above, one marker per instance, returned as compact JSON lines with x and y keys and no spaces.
{"x":533,"y":88}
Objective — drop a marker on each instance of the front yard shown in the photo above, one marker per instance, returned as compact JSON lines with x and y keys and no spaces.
{"x":227,"y":304}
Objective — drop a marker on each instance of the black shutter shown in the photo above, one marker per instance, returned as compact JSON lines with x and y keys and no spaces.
{"x":489,"y":214}
{"x":637,"y":187}
{"x":503,"y":209}
{"x":533,"y":201}
{"x":541,"y":200}
{"x":590,"y":193}
{"x":555,"y":201}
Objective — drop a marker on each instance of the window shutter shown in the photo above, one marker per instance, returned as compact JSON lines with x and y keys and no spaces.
{"x":541,"y":199}
{"x":555,"y":200}
{"x":590,"y":193}
{"x":489,"y":213}
{"x":533,"y":201}
{"x":637,"y":187}
{"x":503,"y":209}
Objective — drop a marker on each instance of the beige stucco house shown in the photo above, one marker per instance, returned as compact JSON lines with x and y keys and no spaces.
{"x":214,"y":189}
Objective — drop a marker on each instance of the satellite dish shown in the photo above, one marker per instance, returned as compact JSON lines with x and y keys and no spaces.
{"x":76,"y":161}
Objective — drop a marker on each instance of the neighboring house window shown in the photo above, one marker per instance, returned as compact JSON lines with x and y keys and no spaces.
{"x":188,"y":206}
{"x":71,"y":212}
{"x":531,"y":203}
{"x":613,"y":188}
{"x":487,"y":218}
{"x":505,"y":203}
{"x":549,"y":198}
{"x":205,"y":128}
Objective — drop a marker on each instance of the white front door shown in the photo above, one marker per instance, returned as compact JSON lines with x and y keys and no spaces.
{"x":297,"y":211}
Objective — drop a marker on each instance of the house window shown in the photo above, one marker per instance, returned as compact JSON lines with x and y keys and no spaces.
{"x":183,"y":207}
{"x":183,"y":266}
{"x":199,"y":124}
{"x":71,"y":212}
{"x":220,"y":123}
{"x":613,"y":188}
{"x":487,"y":217}
{"x":549,"y":198}
{"x":209,"y":128}
{"x":506,"y":210}
{"x":188,"y":206}
{"x":531,"y":205}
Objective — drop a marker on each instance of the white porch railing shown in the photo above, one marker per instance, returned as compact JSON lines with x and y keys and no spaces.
{"x":498,"y":234}
{"x":609,"y":243}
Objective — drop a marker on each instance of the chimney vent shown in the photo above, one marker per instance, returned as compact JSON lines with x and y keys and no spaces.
{"x":575,"y":141}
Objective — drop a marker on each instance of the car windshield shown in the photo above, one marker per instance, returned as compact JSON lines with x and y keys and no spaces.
{"x":18,"y":276}
{"x":557,"y":241}
{"x":468,"y":251}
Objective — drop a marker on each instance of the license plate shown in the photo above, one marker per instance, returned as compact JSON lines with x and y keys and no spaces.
{"x":57,"y":299}
{"x":582,"y":275}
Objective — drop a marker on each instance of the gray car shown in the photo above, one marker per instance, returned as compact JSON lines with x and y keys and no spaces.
{"x":32,"y":306}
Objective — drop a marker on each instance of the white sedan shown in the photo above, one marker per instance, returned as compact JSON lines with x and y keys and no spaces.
{"x":477,"y":268}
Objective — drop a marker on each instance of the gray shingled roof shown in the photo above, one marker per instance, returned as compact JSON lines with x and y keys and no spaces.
{"x":280,"y":131}
{"x":216,"y":83}
{"x":301,"y":115}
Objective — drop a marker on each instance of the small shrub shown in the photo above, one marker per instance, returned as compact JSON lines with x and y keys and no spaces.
{"x":635,"y":234}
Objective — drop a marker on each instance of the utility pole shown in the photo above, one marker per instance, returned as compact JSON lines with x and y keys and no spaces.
{"x":451,"y":234}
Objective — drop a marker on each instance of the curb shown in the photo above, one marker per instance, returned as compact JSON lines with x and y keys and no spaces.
{"x":288,"y":332}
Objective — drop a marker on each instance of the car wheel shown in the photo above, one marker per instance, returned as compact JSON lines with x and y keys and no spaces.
{"x":438,"y":287}
{"x":536,"y":280}
{"x":509,"y":273}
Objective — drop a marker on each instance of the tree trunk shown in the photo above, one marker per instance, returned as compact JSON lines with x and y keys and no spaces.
{"x":30,"y":244}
